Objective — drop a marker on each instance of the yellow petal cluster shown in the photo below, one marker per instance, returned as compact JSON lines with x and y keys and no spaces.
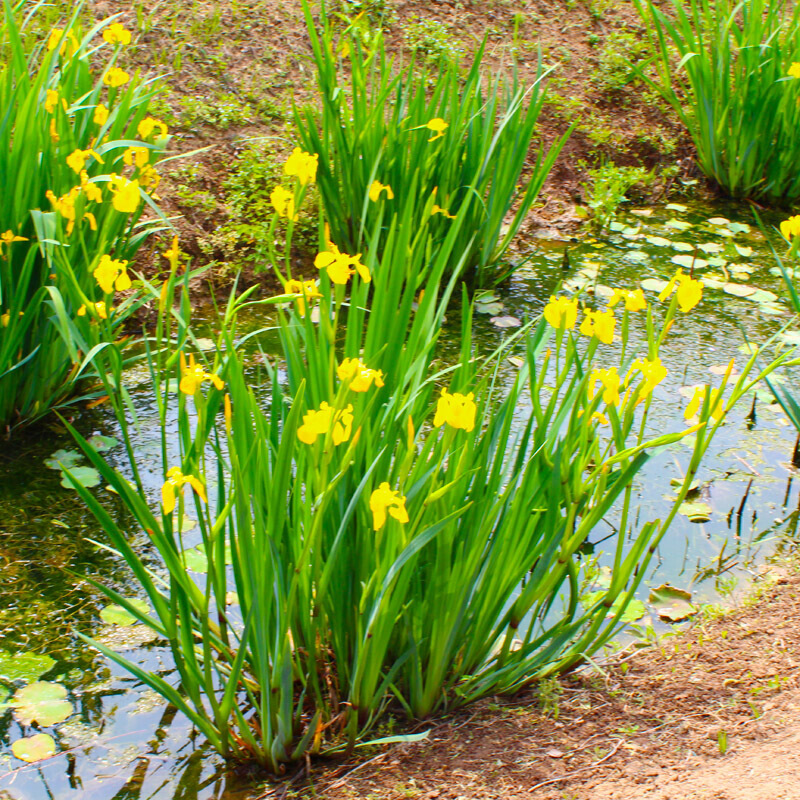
{"x":634,"y":299}
{"x":599,"y":324}
{"x":193,"y":375}
{"x":136,"y":156}
{"x":9,"y":237}
{"x":562,"y":312}
{"x":76,"y":160}
{"x":65,"y":205}
{"x":148,"y":125}
{"x":652,"y":372}
{"x":66,"y":39}
{"x":117,"y":34}
{"x":610,"y":380}
{"x":92,"y":191}
{"x":790,"y":227}
{"x":384,"y":499}
{"x":339,"y":265}
{"x":794,"y":70}
{"x":438,"y":126}
{"x":456,"y":409}
{"x":173,"y":486}
{"x":318,"y":423}
{"x":689,"y":291}
{"x":100,"y":116}
{"x":94,"y":310}
{"x":376,"y":188}
{"x":308,"y":290}
{"x":116,"y":77}
{"x":443,"y":211}
{"x":358,"y":376}
{"x":302,"y":165}
{"x":283,"y":202}
{"x":112,"y":274}
{"x":126,"y":197}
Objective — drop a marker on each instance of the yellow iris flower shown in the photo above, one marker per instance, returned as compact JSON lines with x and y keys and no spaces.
{"x":599,"y":324}
{"x":457,"y":410}
{"x":689,"y":291}
{"x":302,"y":165}
{"x":111,"y":274}
{"x":338,"y":265}
{"x":384,"y":499}
{"x":375,"y":191}
{"x":193,"y":375}
{"x":610,"y":381}
{"x":126,"y":194}
{"x":173,"y":486}
{"x":116,"y":77}
{"x":116,"y":34}
{"x":317,"y":423}
{"x":634,"y":300}
{"x":561,"y":312}
{"x":308,"y":290}
{"x":358,"y":375}
{"x":438,"y":126}
{"x":283,"y":202}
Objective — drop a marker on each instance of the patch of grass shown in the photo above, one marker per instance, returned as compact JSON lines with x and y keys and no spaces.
{"x":433,"y":40}
{"x":614,"y":71}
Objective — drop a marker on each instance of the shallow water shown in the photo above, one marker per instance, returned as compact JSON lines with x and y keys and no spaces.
{"x":122,"y":742}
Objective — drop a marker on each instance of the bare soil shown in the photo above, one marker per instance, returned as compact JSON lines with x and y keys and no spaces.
{"x":711,"y":713}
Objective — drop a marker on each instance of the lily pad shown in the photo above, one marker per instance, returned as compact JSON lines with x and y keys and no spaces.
{"x":642,"y":212}
{"x":634,"y":610}
{"x":617,"y":226}
{"x":719,"y":221}
{"x":696,"y":511}
{"x":489,"y":308}
{"x":117,"y":615}
{"x":653,"y":284}
{"x":41,"y":702}
{"x":187,"y":524}
{"x":658,"y":241}
{"x":710,"y":247}
{"x":86,"y":477}
{"x":196,"y":560}
{"x":101,"y":443}
{"x":738,"y":227}
{"x":690,"y":262}
{"x":505,"y":322}
{"x":712,"y":282}
{"x":790,"y":337}
{"x":717,"y":261}
{"x":739,"y":289}
{"x":675,"y":207}
{"x":34,"y":748}
{"x":67,"y":458}
{"x":677,"y":225}
{"x":205,"y":344}
{"x":516,"y":361}
{"x":672,"y":604}
{"x":762,"y":296}
{"x":23,"y":666}
{"x":683,"y":247}
{"x":636,"y":255}
{"x":745,"y":252}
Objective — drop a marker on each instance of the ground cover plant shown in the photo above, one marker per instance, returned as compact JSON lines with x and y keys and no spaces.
{"x":77,"y":154}
{"x":735,"y":87}
{"x":382,"y":531}
{"x":437,"y":140}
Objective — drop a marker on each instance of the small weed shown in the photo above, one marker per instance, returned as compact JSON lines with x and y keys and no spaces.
{"x":549,"y":695}
{"x":433,"y":39}
{"x":608,"y":188}
{"x":614,"y":71}
{"x":221,"y":113}
{"x":722,"y":742}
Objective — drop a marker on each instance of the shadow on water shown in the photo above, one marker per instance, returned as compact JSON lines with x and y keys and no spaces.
{"x":121,"y":743}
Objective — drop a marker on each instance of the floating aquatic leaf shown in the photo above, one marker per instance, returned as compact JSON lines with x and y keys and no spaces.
{"x":721,"y":369}
{"x":672,"y":604}
{"x":126,"y":637}
{"x":675,"y":207}
{"x":231,"y":599}
{"x":642,"y":212}
{"x":790,"y":337}
{"x":658,"y":241}
{"x":677,"y":225}
{"x":695,"y":511}
{"x":653,"y":284}
{"x":745,"y":252}
{"x":771,"y":309}
{"x":23,"y":666}
{"x":617,"y":226}
{"x":68,"y":458}
{"x":710,"y":247}
{"x":186,"y":524}
{"x":117,"y":615}
{"x":505,"y":322}
{"x":684,"y":247}
{"x":603,"y":291}
{"x":101,"y":443}
{"x":205,"y":344}
{"x":41,"y":702}
{"x":762,"y":296}
{"x":740,"y":276}
{"x":631,"y":232}
{"x":489,"y":308}
{"x":688,"y":391}
{"x":719,"y":221}
{"x":516,"y":361}
{"x":726,"y":232}
{"x":635,"y":609}
{"x":712,"y":282}
{"x":748,"y":349}
{"x":716,"y":261}
{"x":86,"y":477}
{"x":739,"y":289}
{"x":743,"y":267}
{"x":196,"y":560}
{"x":678,"y":482}
{"x":689,"y":262}
{"x":34,"y":748}
{"x":636,"y":255}
{"x":738,"y":227}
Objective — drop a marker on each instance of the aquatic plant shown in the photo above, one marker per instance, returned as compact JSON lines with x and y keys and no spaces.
{"x":735,"y":87}
{"x":75,"y":181}
{"x":398,"y":137}
{"x":379,"y":534}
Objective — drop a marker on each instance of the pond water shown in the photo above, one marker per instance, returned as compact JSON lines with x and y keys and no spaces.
{"x":122,"y":742}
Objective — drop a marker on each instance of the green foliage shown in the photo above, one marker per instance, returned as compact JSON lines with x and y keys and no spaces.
{"x":608,"y":188}
{"x":376,"y":130}
{"x":58,"y":223}
{"x":732,"y":90}
{"x":614,"y":71}
{"x":433,"y":40}
{"x":469,"y":587}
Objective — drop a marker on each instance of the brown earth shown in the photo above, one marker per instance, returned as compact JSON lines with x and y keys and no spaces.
{"x":710,"y":714}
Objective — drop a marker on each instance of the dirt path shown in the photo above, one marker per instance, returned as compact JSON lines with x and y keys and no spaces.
{"x":712,"y":713}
